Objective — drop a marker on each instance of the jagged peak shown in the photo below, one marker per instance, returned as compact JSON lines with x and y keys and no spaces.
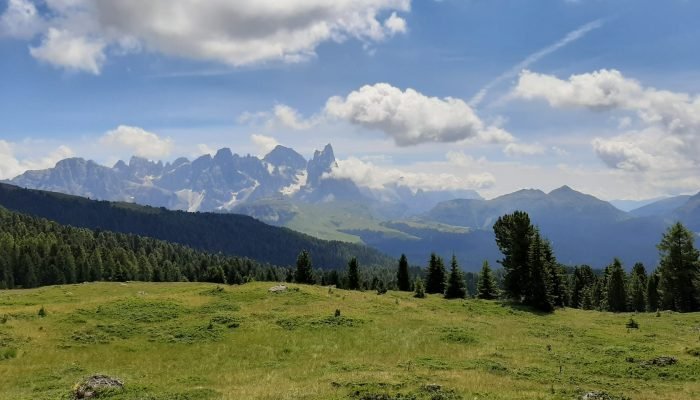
{"x":224,"y":153}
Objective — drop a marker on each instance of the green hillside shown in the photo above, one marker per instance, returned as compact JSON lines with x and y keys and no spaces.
{"x":202,"y":341}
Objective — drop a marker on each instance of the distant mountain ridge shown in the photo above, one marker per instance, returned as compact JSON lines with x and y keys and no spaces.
{"x":226,"y":181}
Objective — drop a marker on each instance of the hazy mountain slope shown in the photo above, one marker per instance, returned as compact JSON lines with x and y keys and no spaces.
{"x":227,"y":233}
{"x":660,"y":208}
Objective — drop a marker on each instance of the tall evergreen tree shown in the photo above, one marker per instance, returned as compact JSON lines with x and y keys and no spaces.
{"x":679,"y":269}
{"x":513,"y":235}
{"x":539,"y":291}
{"x":353,"y":275}
{"x":403,"y":279}
{"x":455,"y":283}
{"x":653,"y":292}
{"x":616,"y":291}
{"x":419,"y":289}
{"x":304,"y":272}
{"x":638,"y":288}
{"x":583,"y":277}
{"x":435,"y":279}
{"x":486,"y":288}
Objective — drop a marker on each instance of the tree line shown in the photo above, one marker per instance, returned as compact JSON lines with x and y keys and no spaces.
{"x":532,"y":276}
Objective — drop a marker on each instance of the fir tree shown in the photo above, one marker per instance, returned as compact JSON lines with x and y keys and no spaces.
{"x":652,"y":291}
{"x":616,"y":292}
{"x":455,"y":282}
{"x":435,"y":279}
{"x":486,"y":288}
{"x":679,"y":269}
{"x":402,"y":278}
{"x":304,"y":272}
{"x":353,"y":275}
{"x":539,"y":290}
{"x":513,"y":235}
{"x":637,"y":288}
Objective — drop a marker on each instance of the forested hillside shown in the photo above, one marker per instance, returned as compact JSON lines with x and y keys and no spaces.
{"x":36,"y":252}
{"x":226,"y":233}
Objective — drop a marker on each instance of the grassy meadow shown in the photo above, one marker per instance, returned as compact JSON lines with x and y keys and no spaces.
{"x":202,"y":341}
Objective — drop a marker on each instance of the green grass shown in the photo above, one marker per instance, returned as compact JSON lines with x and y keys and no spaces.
{"x":194,"y":341}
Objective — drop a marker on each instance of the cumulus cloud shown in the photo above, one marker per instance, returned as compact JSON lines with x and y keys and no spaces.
{"x":670,"y":138}
{"x":368,"y":174}
{"x":409,"y":117}
{"x":20,"y":20}
{"x":11,"y":165}
{"x":264,"y":144}
{"x":233,"y":32}
{"x":139,"y":141}
{"x":64,"y":49}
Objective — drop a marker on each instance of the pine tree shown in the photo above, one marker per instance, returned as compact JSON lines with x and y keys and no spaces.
{"x":652,"y":291}
{"x":402,"y":278}
{"x":616,"y":292}
{"x":586,"y":299}
{"x":539,"y":291}
{"x":513,"y":235}
{"x":679,"y":270}
{"x":583,"y":277}
{"x":486,"y":288}
{"x":455,"y":282}
{"x":353,"y":275}
{"x":637,"y":288}
{"x":304,"y":272}
{"x":435,"y":279}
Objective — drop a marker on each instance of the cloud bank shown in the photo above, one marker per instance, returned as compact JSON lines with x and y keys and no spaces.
{"x":80,"y":34}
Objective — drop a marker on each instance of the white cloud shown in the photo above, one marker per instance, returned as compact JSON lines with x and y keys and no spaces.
{"x":671,"y":137}
{"x":264,"y":144}
{"x":370,"y":175}
{"x":142,"y":143}
{"x":20,"y":20}
{"x":11,"y":165}
{"x":233,"y":32}
{"x":409,"y":117}
{"x":516,"y":149}
{"x":284,"y":116}
{"x":64,"y":49}
{"x":395,"y":24}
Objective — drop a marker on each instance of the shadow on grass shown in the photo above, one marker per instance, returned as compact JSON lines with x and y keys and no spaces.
{"x":513,"y":305}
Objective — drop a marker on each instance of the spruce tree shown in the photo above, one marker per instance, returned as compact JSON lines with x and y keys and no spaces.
{"x":304,"y":272}
{"x":486,"y":287}
{"x":435,"y":279}
{"x":679,"y":269}
{"x":539,"y":291}
{"x":583,"y":277}
{"x":616,"y":292}
{"x":586,"y":299}
{"x":513,"y":235}
{"x":652,"y":292}
{"x":455,"y":283}
{"x":353,"y":275}
{"x":637,"y":288}
{"x":402,"y":278}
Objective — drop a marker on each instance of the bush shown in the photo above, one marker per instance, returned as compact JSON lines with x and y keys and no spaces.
{"x":42,"y":312}
{"x":632,"y":324}
{"x":337,"y":312}
{"x":420,"y":289}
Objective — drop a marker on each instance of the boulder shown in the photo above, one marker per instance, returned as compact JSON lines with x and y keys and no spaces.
{"x":92,"y":387}
{"x":278,"y":289}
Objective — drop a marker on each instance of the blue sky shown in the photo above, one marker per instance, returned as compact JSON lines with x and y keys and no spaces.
{"x":613,"y":110}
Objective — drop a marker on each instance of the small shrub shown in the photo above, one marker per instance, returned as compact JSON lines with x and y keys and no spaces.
{"x":337,"y":312}
{"x":632,"y":324}
{"x":42,"y":312}
{"x":4,"y":319}
{"x":420,"y":289}
{"x":7,"y":354}
{"x":694,"y":352}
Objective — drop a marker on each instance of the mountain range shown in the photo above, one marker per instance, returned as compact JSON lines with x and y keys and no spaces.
{"x":284,"y":189}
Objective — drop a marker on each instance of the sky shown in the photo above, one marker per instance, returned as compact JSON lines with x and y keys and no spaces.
{"x":490,"y":95}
